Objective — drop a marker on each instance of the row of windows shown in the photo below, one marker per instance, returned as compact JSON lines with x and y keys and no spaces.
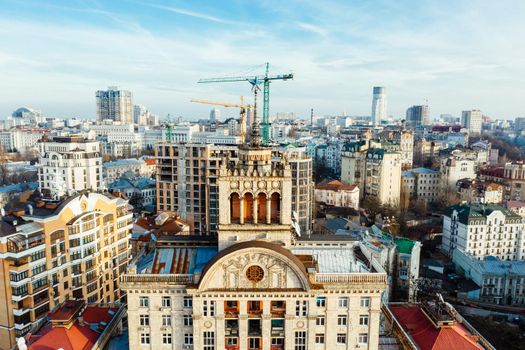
{"x":301,"y":307}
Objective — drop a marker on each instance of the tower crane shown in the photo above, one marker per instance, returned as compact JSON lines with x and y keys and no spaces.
{"x":256,"y":80}
{"x":242,"y":114}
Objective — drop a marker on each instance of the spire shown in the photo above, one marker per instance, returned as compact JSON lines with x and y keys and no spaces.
{"x":256,"y":135}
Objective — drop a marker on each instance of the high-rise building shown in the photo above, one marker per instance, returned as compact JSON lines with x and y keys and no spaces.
{"x":115,"y":104}
{"x":69,"y":164}
{"x":53,"y":251}
{"x":417,"y":116}
{"x":215,"y":115}
{"x":259,"y":286}
{"x":472,"y":120}
{"x":379,"y":111}
{"x":140,"y":115}
{"x":187,"y":182}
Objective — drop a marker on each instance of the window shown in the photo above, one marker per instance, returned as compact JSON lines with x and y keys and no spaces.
{"x":144,"y":338}
{"x":343,"y":302}
{"x":209,"y":340}
{"x":143,"y":301}
{"x":166,"y":320}
{"x":341,"y":338}
{"x":319,"y":321}
{"x":144,"y":320}
{"x":321,"y":301}
{"x":188,"y":302}
{"x":319,"y":338}
{"x":341,"y":320}
{"x":188,"y":338}
{"x":363,"y":338}
{"x":363,"y":320}
{"x":208,"y":308}
{"x":188,"y":320}
{"x":166,"y":302}
{"x":300,"y":340}
{"x":166,"y":338}
{"x":301,"y":308}
{"x":365,"y":301}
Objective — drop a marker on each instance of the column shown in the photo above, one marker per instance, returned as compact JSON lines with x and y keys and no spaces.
{"x":243,"y":325}
{"x":266,"y":326}
{"x":255,"y":208}
{"x":219,"y":324}
{"x":269,"y":210}
{"x":241,"y":210}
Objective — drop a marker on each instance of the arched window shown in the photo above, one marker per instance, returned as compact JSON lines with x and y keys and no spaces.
{"x":276,"y":207}
{"x":235,"y":207}
{"x":248,"y":207}
{"x":261,"y":207}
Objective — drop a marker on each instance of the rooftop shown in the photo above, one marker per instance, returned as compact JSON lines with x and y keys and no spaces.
{"x":335,"y":185}
{"x":427,"y":335}
{"x":176,"y":260}
{"x":86,"y":327}
{"x":478,"y":211}
{"x":333,"y":259}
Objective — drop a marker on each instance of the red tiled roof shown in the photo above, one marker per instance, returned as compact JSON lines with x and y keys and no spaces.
{"x":79,"y":336}
{"x":97,"y":314}
{"x":335,"y":185}
{"x":427,"y":336}
{"x":150,"y":161}
{"x":75,"y":338}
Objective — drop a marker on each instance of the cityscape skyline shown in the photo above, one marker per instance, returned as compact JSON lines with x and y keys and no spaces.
{"x":458,"y":59}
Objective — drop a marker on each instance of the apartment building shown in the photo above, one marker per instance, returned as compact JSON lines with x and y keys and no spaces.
{"x":484,"y":230}
{"x":422,"y":183}
{"x":52,"y":251}
{"x":114,"y":104}
{"x":353,"y":162}
{"x":455,"y":167}
{"x":383,"y":175}
{"x":472,"y":120}
{"x":68,"y":164}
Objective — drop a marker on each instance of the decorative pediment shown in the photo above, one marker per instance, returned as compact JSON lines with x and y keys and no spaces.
{"x":254,"y":269}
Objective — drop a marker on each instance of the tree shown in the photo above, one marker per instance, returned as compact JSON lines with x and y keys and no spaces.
{"x":372,"y":205}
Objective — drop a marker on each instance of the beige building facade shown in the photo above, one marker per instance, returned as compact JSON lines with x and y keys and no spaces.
{"x":54,"y":251}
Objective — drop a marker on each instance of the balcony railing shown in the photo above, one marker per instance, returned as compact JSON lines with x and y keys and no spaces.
{"x":350,"y":278}
{"x":153,"y":278}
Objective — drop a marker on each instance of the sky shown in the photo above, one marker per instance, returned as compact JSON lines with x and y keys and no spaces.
{"x":456,"y":55}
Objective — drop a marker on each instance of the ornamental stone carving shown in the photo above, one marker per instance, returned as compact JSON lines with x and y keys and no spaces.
{"x":254,"y":270}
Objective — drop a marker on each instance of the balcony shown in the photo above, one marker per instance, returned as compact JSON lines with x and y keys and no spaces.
{"x":255,"y":308}
{"x":231,"y":327}
{"x":254,"y":328}
{"x":231,"y":309}
{"x":278,"y":308}
{"x":277,"y":328}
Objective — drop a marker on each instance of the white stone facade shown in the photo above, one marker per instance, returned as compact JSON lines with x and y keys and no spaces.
{"x":69,"y":164}
{"x":484,"y":230}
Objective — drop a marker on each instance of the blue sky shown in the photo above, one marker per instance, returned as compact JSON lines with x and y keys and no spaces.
{"x":455,"y":54}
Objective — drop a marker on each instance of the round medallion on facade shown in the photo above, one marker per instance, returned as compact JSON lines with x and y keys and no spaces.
{"x":207,"y":324}
{"x":261,"y":184}
{"x":234,"y":184}
{"x":276,"y":184}
{"x":255,"y":273}
{"x":247,"y":184}
{"x":300,"y":324}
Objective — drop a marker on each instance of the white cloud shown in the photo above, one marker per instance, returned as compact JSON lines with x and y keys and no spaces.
{"x":462,"y":60}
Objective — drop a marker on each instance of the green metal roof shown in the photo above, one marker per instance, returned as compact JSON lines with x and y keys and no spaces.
{"x":466,"y":212}
{"x":404,"y":245}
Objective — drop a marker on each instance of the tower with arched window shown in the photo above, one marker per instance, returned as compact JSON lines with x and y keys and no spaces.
{"x":254,"y":198}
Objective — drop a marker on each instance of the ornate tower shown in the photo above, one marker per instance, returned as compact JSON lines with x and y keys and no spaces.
{"x":254,"y":195}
